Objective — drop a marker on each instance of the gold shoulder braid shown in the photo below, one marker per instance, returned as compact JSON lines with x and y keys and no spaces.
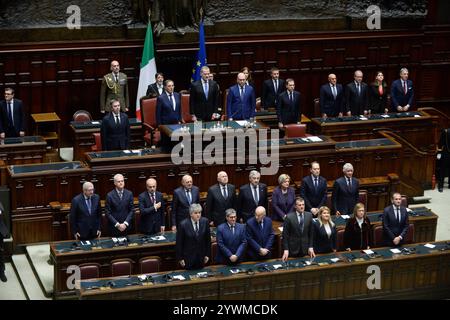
{"x":112,"y":85}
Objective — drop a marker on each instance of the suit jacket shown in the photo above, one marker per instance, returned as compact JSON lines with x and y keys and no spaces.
{"x":193,"y":247}
{"x":323,"y":244}
{"x":354,"y":102}
{"x":328,"y":104}
{"x":19,"y":118}
{"x":377,"y":102}
{"x":357,"y":238}
{"x":246,"y":202}
{"x":398,"y":96}
{"x":180,"y":204}
{"x":269,"y":96}
{"x":164,"y":109}
{"x":4,"y":233}
{"x":120,"y":211}
{"x":115,"y":137}
{"x":198,"y":104}
{"x":281,"y":207}
{"x":81,"y":221}
{"x":111,"y":89}
{"x":289,"y":111}
{"x":314,"y":197}
{"x":392,"y":227}
{"x":294,"y":240}
{"x":152,"y":91}
{"x":343,"y":198}
{"x":241,"y":109}
{"x":151,"y":219}
{"x":216,"y":204}
{"x":258,"y":238}
{"x":229,"y":243}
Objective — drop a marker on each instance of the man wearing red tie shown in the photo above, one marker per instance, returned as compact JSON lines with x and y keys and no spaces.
{"x":151,"y":207}
{"x":395,"y":222}
{"x":402,"y":93}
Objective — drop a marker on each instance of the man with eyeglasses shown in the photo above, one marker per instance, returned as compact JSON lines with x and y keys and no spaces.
{"x":13,"y":119}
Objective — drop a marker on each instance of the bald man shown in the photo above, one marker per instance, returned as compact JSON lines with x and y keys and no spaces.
{"x":114,"y":86}
{"x":119,"y":208}
{"x":241,"y":100}
{"x":183,"y":197}
{"x":221,"y":196}
{"x":331,"y":98}
{"x":357,"y":96}
{"x":260,"y":235}
{"x":152,"y":209}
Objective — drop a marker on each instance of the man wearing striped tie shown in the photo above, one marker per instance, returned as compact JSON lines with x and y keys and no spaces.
{"x":151,"y":209}
{"x":119,"y":208}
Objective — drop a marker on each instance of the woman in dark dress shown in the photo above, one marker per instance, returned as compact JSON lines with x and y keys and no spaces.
{"x":283,"y":198}
{"x":358,"y":231}
{"x":378,"y":95}
{"x":324,"y":232}
{"x":248,"y":77}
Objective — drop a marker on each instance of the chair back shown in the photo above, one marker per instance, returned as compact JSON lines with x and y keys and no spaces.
{"x":185,"y":114}
{"x":149,"y":264}
{"x":317,"y":107}
{"x":148,"y":111}
{"x":89,"y":270}
{"x":295,"y":130}
{"x":97,"y":146}
{"x":410,"y":235}
{"x":121,"y":267}
{"x":378,"y":236}
{"x":340,"y":240}
{"x":82,"y":116}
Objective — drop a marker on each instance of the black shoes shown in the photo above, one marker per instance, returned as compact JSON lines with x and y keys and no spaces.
{"x":3,"y":277}
{"x":441,"y":190}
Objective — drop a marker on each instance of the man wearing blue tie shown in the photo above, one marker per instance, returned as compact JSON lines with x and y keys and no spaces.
{"x":231,"y":240}
{"x":85,"y":214}
{"x":119,"y":208}
{"x":183,"y":197}
{"x":241,"y":100}
{"x":151,"y":208}
{"x":260,"y":235}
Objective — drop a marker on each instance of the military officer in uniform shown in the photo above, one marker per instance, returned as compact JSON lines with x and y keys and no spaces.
{"x":114,"y":86}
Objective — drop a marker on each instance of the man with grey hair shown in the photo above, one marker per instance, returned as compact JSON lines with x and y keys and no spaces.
{"x":251,"y":195}
{"x":183,"y":197}
{"x":402,"y":92}
{"x":85,"y":214}
{"x":193,"y":244}
{"x":221,"y":197}
{"x":231,"y":240}
{"x":204,"y":102}
{"x":119,"y":208}
{"x":345,"y":192}
{"x":356,"y":96}
{"x":260,"y":235}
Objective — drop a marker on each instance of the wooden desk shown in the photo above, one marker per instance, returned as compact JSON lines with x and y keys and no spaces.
{"x":48,"y":125}
{"x":423,"y":274}
{"x":270,"y":119}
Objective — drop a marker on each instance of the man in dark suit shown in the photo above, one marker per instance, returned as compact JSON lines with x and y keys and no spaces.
{"x":357,"y":96}
{"x":204,"y":102}
{"x":115,"y":129}
{"x":345,"y":192}
{"x":331,"y":98}
{"x":260,"y":235}
{"x":251,"y":195}
{"x":119,"y":208}
{"x":86,"y":214}
{"x":3,"y":234}
{"x":114,"y":86}
{"x":231,"y":240}
{"x":288,"y":108}
{"x":156,"y":89}
{"x":443,"y":161}
{"x":221,"y":197}
{"x":271,"y":89}
{"x":12,"y":113}
{"x":402,"y":92}
{"x":193,"y":244}
{"x":298,"y":232}
{"x":151,"y":208}
{"x":314,"y":189}
{"x":183,"y":197}
{"x":395,"y":222}
{"x":168,"y":105}
{"x":241,"y":100}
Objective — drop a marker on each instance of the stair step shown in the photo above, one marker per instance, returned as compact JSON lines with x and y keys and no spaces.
{"x":11,"y":290}
{"x":38,"y":256}
{"x":27,"y":277}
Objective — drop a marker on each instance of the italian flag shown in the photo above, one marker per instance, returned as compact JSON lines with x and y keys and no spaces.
{"x":148,"y":69}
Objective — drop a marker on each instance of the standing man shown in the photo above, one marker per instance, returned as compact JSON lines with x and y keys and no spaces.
{"x":156,"y":89}
{"x":114,"y":86}
{"x":168,"y":105}
{"x":12,"y":113}
{"x":288,"y":108}
{"x":260,"y":235}
{"x":271,"y":89}
{"x":183,"y":197}
{"x":443,"y":161}
{"x":402,"y":92}
{"x":231,"y":240}
{"x":395,"y":222}
{"x":251,"y":195}
{"x":314,"y":189}
{"x":204,"y":99}
{"x":151,"y":207}
{"x":241,"y":100}
{"x":119,"y":208}
{"x":331,"y":98}
{"x":345,"y":192}
{"x":357,"y":96}
{"x":298,"y":232}
{"x":115,"y":129}
{"x":85,"y":214}
{"x":193,"y":244}
{"x":221,"y":196}
{"x":3,"y":234}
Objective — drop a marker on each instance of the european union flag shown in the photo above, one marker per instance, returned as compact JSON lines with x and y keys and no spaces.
{"x":200,"y":61}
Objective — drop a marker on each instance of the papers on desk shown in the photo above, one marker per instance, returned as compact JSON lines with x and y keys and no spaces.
{"x":95,"y":122}
{"x":136,"y":150}
{"x":86,"y":243}
{"x":242,"y":123}
{"x":158,"y":238}
{"x":202,"y":274}
{"x":277,"y":266}
{"x":417,"y":116}
{"x":368,"y":251}
{"x":126,"y":151}
{"x":395,"y":250}
{"x":385,"y":116}
{"x":179,"y":277}
{"x":312,"y":139}
{"x":345,"y":216}
{"x":429,"y":245}
{"x":363,"y":118}
{"x":234,"y":271}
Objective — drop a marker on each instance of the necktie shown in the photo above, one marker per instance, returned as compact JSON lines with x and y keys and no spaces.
{"x":290,"y":97}
{"x":275,"y":85}
{"x":188,"y":195}
{"x":359,"y":88}
{"x":152,"y":198}
{"x":196,"y":227}
{"x":349,"y":184}
{"x":89,"y":205}
{"x":120,"y":195}
{"x":300,"y":222}
{"x":160,"y":90}
{"x":206,"y":89}
{"x":242,"y":92}
{"x":10,"y":113}
{"x":116,"y":77}
{"x":232,"y":229}
{"x":316,"y":182}
{"x":261,"y":225}
{"x":224,"y":193}
{"x":398,"y":214}
{"x":171,"y":101}
{"x":117,"y":119}
{"x":255,"y":194}
{"x":404,"y":87}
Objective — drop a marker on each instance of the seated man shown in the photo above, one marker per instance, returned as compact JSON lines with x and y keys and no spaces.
{"x":119,"y":208}
{"x":395,"y":222}
{"x":85,"y":214}
{"x":260,"y":235}
{"x":231,"y":240}
{"x":193,"y":244}
{"x":151,"y":207}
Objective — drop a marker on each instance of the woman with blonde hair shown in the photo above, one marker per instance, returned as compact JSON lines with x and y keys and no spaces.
{"x":358,"y":231}
{"x":324,"y":232}
{"x":283,"y":198}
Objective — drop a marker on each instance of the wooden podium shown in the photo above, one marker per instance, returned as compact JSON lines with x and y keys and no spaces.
{"x":48,"y":125}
